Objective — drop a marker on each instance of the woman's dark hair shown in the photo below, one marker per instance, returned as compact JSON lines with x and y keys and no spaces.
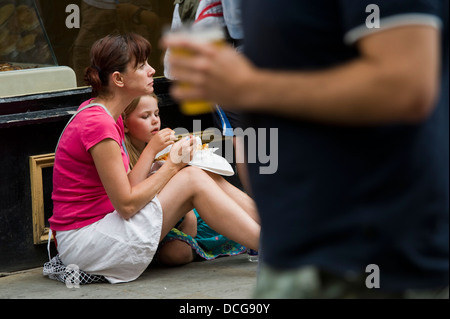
{"x":112,"y":53}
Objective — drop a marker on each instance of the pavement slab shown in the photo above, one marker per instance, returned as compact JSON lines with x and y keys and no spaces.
{"x":232,"y":277}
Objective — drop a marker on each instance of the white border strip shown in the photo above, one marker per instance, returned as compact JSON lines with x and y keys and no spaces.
{"x":391,"y":22}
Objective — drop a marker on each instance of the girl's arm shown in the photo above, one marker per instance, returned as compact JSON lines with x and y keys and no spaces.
{"x":142,"y":167}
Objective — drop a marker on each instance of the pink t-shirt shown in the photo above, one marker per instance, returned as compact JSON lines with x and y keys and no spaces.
{"x":79,"y":198}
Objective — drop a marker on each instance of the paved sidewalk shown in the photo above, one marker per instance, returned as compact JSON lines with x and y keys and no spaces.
{"x":231,"y":277}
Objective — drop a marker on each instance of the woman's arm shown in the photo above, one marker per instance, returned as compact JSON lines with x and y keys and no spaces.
{"x":126,"y":198}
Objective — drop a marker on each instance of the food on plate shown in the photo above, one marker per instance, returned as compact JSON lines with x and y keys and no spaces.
{"x":202,"y":147}
{"x":162,"y":157}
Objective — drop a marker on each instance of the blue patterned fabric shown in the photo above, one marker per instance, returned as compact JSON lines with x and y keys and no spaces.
{"x":208,"y":244}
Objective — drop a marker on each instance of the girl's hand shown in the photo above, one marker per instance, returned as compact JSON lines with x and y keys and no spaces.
{"x":182,"y":152}
{"x":162,"y":139}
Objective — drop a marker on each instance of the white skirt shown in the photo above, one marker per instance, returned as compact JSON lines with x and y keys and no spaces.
{"x":113,"y":247}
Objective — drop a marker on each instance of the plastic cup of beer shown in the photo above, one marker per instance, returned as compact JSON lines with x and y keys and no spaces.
{"x":209,"y":34}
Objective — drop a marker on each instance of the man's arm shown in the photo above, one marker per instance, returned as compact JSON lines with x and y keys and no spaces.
{"x":394,"y":80}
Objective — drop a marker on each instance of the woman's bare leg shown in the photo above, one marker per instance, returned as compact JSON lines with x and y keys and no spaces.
{"x":192,"y":187}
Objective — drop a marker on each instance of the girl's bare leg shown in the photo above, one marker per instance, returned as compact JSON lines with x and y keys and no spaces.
{"x":177,"y":252}
{"x":192,"y":187}
{"x":241,"y":198}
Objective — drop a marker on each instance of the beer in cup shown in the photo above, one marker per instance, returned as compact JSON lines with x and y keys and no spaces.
{"x":205,"y":34}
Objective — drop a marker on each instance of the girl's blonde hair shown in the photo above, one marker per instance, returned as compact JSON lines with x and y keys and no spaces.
{"x":133,"y":152}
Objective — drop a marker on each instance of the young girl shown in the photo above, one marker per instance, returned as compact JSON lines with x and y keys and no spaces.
{"x":142,"y":126}
{"x":109,"y":222}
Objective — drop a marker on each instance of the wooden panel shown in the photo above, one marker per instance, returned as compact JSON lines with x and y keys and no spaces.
{"x":37,"y":163}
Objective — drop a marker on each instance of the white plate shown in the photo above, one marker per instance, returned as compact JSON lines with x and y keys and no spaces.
{"x":208,"y":161}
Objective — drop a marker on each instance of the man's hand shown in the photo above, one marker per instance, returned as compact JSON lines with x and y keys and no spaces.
{"x":394,"y":80}
{"x":214,"y":73}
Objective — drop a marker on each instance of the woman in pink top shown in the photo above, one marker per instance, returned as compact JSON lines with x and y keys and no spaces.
{"x":107,"y":221}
